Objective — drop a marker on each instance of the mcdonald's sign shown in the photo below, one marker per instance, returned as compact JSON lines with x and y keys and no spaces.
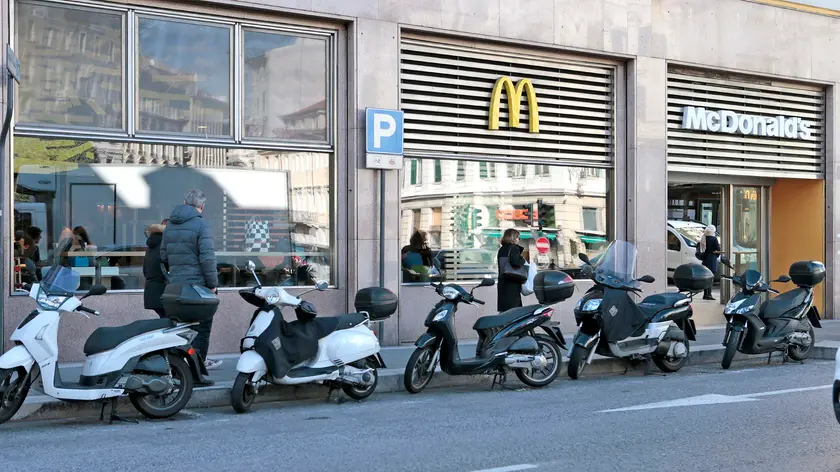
{"x":514,"y":95}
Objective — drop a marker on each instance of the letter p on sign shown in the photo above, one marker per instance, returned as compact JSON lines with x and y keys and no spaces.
{"x":384,"y":131}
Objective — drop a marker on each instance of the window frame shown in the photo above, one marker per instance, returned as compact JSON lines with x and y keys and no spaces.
{"x":335,"y":44}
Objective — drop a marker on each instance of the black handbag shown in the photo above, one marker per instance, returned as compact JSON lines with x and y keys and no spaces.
{"x":509,"y":272}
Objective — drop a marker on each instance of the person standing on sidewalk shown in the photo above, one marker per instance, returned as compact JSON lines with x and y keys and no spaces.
{"x":510,"y":292}
{"x":709,"y":250}
{"x":188,"y":247}
{"x":153,"y":270}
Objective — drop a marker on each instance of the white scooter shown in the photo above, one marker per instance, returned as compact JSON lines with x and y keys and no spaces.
{"x":150,"y":360}
{"x":339,"y":351}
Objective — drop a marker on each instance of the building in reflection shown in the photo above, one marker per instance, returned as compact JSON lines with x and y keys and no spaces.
{"x":499,"y":196}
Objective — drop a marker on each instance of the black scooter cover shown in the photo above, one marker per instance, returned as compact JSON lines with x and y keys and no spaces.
{"x":621,"y":315}
{"x":284,"y":345}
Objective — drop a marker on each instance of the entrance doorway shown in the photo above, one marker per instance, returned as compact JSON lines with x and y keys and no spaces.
{"x":738,"y":212}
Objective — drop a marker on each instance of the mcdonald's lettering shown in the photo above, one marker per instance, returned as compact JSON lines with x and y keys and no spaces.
{"x":514,"y":95}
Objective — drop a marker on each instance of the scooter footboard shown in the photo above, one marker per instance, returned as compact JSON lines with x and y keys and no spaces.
{"x":251,"y":363}
{"x":15,"y":357}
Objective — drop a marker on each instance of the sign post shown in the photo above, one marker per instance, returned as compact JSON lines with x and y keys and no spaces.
{"x":383,"y":151}
{"x":12,"y":78}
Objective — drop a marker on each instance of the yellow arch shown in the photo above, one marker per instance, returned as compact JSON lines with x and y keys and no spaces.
{"x":514,"y":95}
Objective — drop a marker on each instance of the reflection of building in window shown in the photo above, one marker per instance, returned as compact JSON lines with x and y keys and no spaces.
{"x":475,"y":207}
{"x":67,"y":79}
{"x":296,"y":110}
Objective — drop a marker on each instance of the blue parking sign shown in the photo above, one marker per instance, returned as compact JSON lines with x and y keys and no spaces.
{"x":384,"y":131}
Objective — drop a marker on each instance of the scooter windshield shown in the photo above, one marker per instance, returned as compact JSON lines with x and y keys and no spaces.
{"x":616,"y":267}
{"x":60,"y":281}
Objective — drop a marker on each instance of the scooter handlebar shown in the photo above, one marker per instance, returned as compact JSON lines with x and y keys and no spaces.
{"x":88,"y":310}
{"x":475,"y":300}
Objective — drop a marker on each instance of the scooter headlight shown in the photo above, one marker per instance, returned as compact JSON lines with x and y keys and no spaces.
{"x":735,"y":308}
{"x":49,"y":302}
{"x":440,"y":315}
{"x":272,"y":296}
{"x":744,"y":309}
{"x":592,"y":305}
{"x":450,"y":293}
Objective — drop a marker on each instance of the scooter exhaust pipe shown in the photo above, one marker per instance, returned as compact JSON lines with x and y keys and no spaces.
{"x":521,"y":361}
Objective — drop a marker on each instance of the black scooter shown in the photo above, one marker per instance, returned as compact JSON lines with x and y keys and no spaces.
{"x":784,"y":324}
{"x":505,"y":341}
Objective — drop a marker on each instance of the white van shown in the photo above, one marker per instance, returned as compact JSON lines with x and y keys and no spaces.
{"x":682,"y":240}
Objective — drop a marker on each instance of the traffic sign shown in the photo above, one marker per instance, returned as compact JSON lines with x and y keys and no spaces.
{"x":543,"y":245}
{"x":384,"y":131}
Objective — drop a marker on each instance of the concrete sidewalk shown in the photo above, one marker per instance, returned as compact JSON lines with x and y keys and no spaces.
{"x":707,"y":349}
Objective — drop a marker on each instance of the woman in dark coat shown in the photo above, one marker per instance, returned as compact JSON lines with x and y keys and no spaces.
{"x":155,"y":279}
{"x":510,"y":293}
{"x":709,"y":251}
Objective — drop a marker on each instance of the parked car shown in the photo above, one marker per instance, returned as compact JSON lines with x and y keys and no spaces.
{"x":682,"y":239}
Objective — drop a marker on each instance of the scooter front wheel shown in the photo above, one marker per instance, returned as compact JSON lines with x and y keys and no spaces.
{"x":419,"y":370}
{"x":242,"y":394}
{"x":14,"y":386}
{"x":163,"y":406}
{"x":577,"y":361}
{"x":731,"y":349}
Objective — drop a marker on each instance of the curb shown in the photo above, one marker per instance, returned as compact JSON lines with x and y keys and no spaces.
{"x":41,"y":407}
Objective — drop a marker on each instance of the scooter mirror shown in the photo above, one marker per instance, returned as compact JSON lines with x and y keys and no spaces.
{"x":725,"y":261}
{"x":487,"y":282}
{"x":250,"y":265}
{"x":648,"y":279}
{"x":584,"y":257}
{"x":783,"y":279}
{"x":96,"y":290}
{"x":321,"y":285}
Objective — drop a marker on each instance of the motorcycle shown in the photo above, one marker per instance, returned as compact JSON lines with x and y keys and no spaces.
{"x":338,"y":351}
{"x":784,"y":324}
{"x":150,"y":360}
{"x":505,"y":341}
{"x":612,"y":324}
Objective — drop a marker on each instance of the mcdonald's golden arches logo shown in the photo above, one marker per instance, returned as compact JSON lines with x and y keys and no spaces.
{"x":514,"y":96}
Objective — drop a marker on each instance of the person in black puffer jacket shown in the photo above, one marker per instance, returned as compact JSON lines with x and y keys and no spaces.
{"x":187,"y":247}
{"x":155,"y":278}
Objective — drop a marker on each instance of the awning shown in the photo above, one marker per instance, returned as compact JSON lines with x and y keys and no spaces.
{"x":592,"y":239}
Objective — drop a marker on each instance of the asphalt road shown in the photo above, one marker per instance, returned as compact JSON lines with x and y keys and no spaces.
{"x":752,"y":418}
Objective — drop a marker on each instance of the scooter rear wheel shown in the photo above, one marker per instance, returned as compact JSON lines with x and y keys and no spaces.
{"x":800,"y":353}
{"x":160,"y":406}
{"x":12,"y":392}
{"x":548,"y":348}
{"x":242,"y":394}
{"x":360,"y":393}
{"x":419,"y":370}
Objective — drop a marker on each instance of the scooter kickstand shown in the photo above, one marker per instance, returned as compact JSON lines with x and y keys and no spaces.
{"x":338,"y":400}
{"x":114,"y":416}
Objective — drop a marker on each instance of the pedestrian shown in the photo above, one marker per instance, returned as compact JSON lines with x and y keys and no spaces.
{"x":153,"y":270}
{"x":187,"y":248}
{"x":417,"y":258}
{"x":510,"y":292}
{"x":35,"y":233}
{"x":708,"y":249}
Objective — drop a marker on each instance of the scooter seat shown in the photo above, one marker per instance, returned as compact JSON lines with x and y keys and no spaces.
{"x":105,"y":339}
{"x":661,"y":301}
{"x":350,"y":320}
{"x":784,"y":303}
{"x":324,"y":326}
{"x":505,"y":318}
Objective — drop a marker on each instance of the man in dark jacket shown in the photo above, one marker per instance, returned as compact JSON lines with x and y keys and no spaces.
{"x":187,"y":248}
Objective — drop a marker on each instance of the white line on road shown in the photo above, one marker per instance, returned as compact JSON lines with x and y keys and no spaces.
{"x":714,"y":399}
{"x":510,"y":468}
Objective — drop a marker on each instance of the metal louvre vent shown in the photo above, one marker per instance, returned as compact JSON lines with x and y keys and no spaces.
{"x":736,"y":153}
{"x":445,"y":92}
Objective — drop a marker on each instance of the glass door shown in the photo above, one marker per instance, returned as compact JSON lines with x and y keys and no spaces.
{"x":747,"y":229}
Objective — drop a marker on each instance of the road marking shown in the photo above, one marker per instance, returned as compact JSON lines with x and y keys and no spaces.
{"x":714,"y":399}
{"x":510,"y":468}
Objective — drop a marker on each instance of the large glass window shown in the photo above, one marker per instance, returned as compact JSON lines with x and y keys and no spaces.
{"x":453,"y":231}
{"x":271,"y":207}
{"x":297,"y":109}
{"x":71,"y":66}
{"x":184,"y":81}
{"x":160,"y":82}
